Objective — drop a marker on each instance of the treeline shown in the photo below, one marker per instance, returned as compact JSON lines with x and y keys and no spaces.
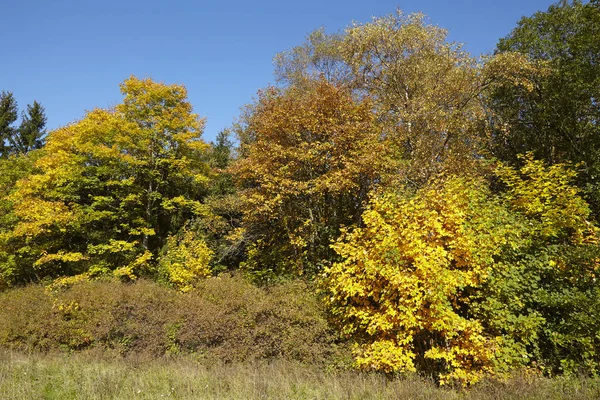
{"x":446,"y":208}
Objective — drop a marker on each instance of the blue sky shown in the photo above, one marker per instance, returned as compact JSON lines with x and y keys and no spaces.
{"x":71,"y":55}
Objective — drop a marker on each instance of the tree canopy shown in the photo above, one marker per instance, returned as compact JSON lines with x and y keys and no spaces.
{"x":312,"y":154}
{"x":558,"y":120}
{"x":108,"y":190}
{"x":386,"y":103}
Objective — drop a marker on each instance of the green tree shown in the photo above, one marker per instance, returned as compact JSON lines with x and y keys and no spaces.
{"x":110,"y":189}
{"x":541,"y":301}
{"x":319,"y":57}
{"x":219,"y":225}
{"x":222,"y":150}
{"x":31,"y":132}
{"x":558,"y":120}
{"x":8,"y":116}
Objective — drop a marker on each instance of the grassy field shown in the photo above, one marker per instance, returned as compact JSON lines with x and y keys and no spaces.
{"x":89,"y":377}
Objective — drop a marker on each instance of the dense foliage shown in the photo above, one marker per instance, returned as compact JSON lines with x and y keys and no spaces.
{"x":386,"y":103}
{"x":108,"y":190}
{"x":458,"y":280}
{"x":558,"y":120}
{"x":312,"y":155}
{"x":445,"y":206}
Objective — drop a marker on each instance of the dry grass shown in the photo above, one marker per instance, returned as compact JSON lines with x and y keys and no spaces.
{"x":85,"y":376}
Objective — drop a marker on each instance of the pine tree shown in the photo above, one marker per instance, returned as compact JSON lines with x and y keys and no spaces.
{"x":8,"y":115}
{"x":30,"y":134}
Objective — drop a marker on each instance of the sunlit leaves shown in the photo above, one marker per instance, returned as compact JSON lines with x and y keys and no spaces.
{"x":402,"y":284}
{"x":457,"y":280}
{"x":185,"y":260}
{"x":312,"y":155}
{"x":426,"y":91}
{"x":109,"y":189}
{"x":547,"y":195}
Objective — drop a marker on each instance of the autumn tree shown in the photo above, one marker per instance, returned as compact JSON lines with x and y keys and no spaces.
{"x":558,"y":121}
{"x":400,"y":289}
{"x":456,"y":281}
{"x":16,"y":162}
{"x":426,"y":91}
{"x":12,"y":169}
{"x":186,"y":259}
{"x":421,"y":113}
{"x":311,"y":155}
{"x":110,"y":189}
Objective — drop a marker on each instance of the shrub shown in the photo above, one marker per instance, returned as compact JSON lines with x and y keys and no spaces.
{"x":186,"y":260}
{"x":459,"y":282}
{"x":225,"y":318}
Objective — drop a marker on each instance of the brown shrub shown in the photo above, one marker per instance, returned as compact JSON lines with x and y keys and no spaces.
{"x":225,"y":318}
{"x":26,"y":317}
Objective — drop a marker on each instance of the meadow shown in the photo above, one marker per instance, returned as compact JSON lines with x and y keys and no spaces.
{"x":90,"y":376}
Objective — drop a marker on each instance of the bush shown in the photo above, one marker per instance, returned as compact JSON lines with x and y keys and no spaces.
{"x":185,"y":260}
{"x":459,"y":282}
{"x":225,"y":318}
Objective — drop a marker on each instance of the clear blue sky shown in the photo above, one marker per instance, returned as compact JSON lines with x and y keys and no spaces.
{"x":71,"y":55}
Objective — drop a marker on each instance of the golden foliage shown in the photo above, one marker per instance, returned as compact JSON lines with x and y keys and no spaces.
{"x":426,"y":91}
{"x":409,"y":278}
{"x":311,"y":156}
{"x":108,"y":189}
{"x":186,"y":260}
{"x":547,"y":196}
{"x":405,"y":276}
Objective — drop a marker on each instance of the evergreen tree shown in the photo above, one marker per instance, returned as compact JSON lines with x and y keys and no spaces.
{"x":8,"y":115}
{"x":30,"y":134}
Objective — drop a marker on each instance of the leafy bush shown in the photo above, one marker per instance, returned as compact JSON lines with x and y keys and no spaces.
{"x":404,"y":283}
{"x":459,"y":282}
{"x":225,"y":318}
{"x":186,"y":259}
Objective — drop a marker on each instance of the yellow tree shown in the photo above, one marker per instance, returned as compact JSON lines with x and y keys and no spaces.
{"x":405,"y":278}
{"x":12,"y":169}
{"x":426,"y":91}
{"x":460,"y":282}
{"x":109,"y":189}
